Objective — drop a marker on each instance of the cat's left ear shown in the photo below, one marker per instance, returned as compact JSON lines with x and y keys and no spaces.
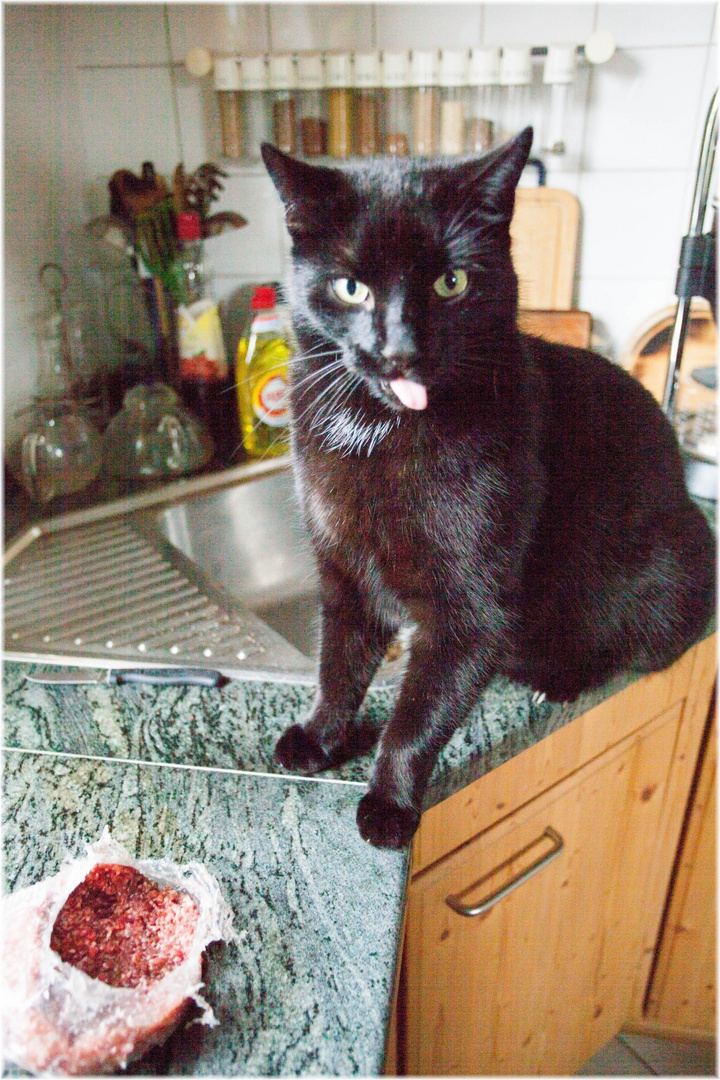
{"x":490,"y":181}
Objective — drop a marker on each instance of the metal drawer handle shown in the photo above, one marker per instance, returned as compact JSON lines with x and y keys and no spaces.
{"x":558,"y":845}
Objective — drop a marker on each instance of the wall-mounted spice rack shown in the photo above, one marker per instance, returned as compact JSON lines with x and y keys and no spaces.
{"x":421,"y":102}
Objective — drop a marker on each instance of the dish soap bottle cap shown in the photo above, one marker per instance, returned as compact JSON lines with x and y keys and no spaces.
{"x":263,"y":297}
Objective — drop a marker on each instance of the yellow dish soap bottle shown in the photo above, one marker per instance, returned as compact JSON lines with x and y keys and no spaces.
{"x":262,"y":377}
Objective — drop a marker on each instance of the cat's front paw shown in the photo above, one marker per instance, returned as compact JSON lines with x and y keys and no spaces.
{"x":296,"y":749}
{"x":384,"y":823}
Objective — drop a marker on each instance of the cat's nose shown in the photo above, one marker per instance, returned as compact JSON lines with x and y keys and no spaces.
{"x":396,"y":364}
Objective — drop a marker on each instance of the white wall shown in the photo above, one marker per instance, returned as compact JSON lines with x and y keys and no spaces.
{"x":95,"y":87}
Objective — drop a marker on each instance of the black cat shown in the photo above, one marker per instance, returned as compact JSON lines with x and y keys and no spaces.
{"x":521,"y":503}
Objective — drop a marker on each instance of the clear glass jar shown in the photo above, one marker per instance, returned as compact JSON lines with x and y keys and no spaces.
{"x":453,"y":100}
{"x":312,"y":105}
{"x":282,"y":79}
{"x":396,"y":95}
{"x":367,"y":104}
{"x":515,"y":79}
{"x":338,"y":76}
{"x":559,"y":74}
{"x":425,"y":101}
{"x":254,"y":84}
{"x":483,"y":77}
{"x":228,"y":88}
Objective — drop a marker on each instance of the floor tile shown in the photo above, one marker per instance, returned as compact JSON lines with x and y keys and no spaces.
{"x":615,"y":1059}
{"x":667,"y":1057}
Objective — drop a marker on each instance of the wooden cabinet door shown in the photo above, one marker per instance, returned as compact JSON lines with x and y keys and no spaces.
{"x":542,"y":979}
{"x":681,"y":999}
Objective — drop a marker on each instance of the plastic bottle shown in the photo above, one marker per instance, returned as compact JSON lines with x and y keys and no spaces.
{"x":262,"y":377}
{"x":205,"y":377}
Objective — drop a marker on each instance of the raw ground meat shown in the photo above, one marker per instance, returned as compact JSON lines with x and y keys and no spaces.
{"x":79,"y":1001}
{"x":122,"y":928}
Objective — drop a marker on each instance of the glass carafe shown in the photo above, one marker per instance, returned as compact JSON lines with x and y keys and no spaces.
{"x":59,"y":450}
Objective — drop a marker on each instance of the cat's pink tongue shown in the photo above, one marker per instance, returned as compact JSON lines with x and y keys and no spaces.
{"x":412,"y":394}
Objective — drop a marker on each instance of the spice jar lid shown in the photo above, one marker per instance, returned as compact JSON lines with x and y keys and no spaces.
{"x":453,"y":67}
{"x":423,"y":67}
{"x":484,"y":67}
{"x":367,"y":69}
{"x":395,"y":69}
{"x":227,"y":73}
{"x":338,"y":70}
{"x":310,"y":71}
{"x":254,"y":72}
{"x":515,"y":66}
{"x":560,"y":64}
{"x":282,"y":74}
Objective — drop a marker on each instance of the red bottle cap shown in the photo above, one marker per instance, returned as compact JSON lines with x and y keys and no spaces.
{"x":188,"y":225}
{"x":263,"y":297}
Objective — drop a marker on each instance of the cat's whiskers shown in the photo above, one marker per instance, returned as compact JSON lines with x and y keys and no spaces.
{"x":335,"y":384}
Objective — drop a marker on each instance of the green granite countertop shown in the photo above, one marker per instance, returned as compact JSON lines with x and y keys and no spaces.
{"x":188,"y":772}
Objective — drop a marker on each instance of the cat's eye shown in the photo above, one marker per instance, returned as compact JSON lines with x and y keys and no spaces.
{"x":451,"y":283}
{"x":350,"y":291}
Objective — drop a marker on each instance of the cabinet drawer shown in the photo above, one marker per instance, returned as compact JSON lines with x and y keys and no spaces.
{"x":500,"y":792}
{"x":543,"y":978}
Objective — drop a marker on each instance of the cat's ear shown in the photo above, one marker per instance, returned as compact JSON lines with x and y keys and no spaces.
{"x":314,"y":195}
{"x":490,"y":181}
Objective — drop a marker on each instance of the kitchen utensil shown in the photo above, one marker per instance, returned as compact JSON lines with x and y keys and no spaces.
{"x":544,"y":232}
{"x":79,"y":676}
{"x":697,"y":276}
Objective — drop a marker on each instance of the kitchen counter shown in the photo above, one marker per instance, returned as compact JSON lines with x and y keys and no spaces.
{"x":188,"y":772}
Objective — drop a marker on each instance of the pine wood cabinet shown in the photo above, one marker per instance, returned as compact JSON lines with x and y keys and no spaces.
{"x":576,"y":838}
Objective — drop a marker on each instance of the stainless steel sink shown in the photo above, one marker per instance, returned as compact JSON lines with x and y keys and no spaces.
{"x":212,"y":572}
{"x":250,"y":541}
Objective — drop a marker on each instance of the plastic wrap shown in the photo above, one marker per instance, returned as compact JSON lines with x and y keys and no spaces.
{"x":56,"y":1019}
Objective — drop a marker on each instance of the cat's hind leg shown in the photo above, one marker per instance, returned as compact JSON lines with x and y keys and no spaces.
{"x":353,"y":641}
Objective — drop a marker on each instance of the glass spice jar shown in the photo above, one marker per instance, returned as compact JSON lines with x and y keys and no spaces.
{"x":254,"y":87}
{"x":515,"y":79}
{"x":423,"y":79}
{"x":228,"y":85}
{"x":311,"y":94}
{"x":282,"y":79}
{"x":453,"y":87}
{"x":483,"y":77}
{"x":338,"y":78}
{"x":395,"y":81}
{"x":367,"y":104}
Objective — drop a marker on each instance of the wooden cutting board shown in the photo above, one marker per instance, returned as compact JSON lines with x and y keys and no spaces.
{"x":544,"y":233}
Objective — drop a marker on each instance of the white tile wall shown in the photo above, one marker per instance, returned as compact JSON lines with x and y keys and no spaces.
{"x":94,"y":87}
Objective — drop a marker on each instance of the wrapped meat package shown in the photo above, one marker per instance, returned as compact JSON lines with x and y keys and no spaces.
{"x":102,"y":961}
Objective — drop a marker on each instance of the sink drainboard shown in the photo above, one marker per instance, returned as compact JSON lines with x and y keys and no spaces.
{"x":105,"y":593}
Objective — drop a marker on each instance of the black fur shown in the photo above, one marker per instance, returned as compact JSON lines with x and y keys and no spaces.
{"x":531,"y":521}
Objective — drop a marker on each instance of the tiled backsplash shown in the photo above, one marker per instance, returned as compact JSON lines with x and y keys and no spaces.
{"x":95,"y":87}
